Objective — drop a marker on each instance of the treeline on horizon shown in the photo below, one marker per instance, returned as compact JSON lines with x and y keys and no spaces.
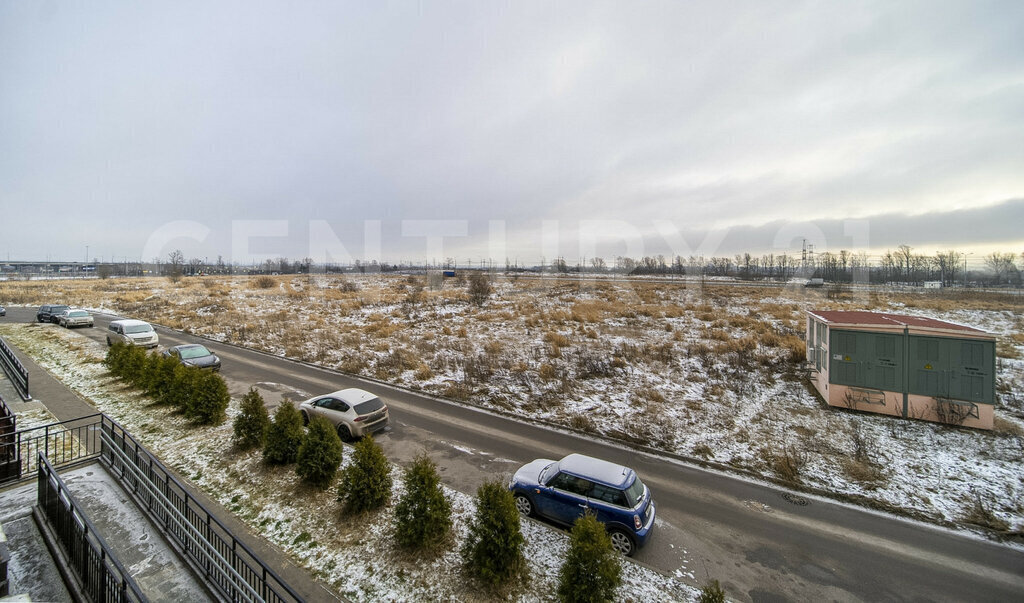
{"x":902,"y":266}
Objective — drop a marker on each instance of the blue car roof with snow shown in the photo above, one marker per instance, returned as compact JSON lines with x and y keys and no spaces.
{"x":597,"y":470}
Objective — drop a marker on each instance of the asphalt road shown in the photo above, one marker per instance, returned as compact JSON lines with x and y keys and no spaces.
{"x":748,"y":535}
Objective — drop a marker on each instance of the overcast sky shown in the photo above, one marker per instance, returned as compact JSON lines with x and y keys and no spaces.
{"x":398,"y":130}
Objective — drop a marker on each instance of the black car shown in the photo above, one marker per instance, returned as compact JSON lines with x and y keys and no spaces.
{"x":195,"y":355}
{"x":49,"y":313}
{"x":3,"y":311}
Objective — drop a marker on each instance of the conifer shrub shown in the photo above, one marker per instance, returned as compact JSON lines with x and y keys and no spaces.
{"x":209,"y":398}
{"x":366,"y":481}
{"x":182,"y":385}
{"x":493,"y":550}
{"x":284,"y":435}
{"x":712,"y":593}
{"x":592,"y":569}
{"x":125,"y":362}
{"x":320,"y":454}
{"x":202,"y":396}
{"x":161,"y":376}
{"x":252,"y":423}
{"x":115,"y":358}
{"x":149,"y":372}
{"x":133,"y":366}
{"x":423,"y":515}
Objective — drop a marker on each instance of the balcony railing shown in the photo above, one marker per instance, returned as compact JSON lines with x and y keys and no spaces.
{"x":14,"y":369}
{"x":100,"y":575}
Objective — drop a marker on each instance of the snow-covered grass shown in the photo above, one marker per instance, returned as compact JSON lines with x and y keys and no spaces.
{"x":701,"y":371}
{"x":355,"y":556}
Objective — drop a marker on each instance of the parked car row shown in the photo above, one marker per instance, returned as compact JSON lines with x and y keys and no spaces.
{"x":130,"y":332}
{"x":64,"y":316}
{"x":49,"y":312}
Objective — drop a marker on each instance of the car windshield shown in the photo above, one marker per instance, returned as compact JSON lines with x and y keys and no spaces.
{"x":136,"y":329}
{"x":543,"y":473}
{"x":365,"y":408}
{"x":79,"y":314}
{"x":194,"y":352}
{"x":635,"y":492}
{"x":57,"y":309}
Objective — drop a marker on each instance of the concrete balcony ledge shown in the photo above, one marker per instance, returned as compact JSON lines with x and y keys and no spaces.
{"x":154,"y":565}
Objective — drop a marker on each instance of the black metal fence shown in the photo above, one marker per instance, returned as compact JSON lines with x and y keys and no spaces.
{"x":63,"y":443}
{"x":8,"y":458}
{"x":15,"y":370}
{"x":230,"y":567}
{"x":100,"y":574}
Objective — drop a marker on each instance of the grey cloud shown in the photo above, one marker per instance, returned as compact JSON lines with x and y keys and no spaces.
{"x":700,"y":113}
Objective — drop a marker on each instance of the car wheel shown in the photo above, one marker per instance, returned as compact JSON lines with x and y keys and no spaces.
{"x":621,"y":542}
{"x":344,"y":433}
{"x":305,"y":419}
{"x":523,"y":505}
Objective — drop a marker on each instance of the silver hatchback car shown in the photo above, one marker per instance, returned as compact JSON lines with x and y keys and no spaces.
{"x":354,"y":412}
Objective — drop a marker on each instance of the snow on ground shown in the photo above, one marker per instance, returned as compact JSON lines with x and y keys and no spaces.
{"x":701,"y":371}
{"x":355,"y":556}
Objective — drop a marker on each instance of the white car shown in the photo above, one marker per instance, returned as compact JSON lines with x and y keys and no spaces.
{"x":74,"y":318}
{"x":132,"y":332}
{"x":354,"y":412}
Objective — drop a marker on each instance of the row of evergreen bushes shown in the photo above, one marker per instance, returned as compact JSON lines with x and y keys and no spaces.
{"x":201,"y":395}
{"x":492,"y":552}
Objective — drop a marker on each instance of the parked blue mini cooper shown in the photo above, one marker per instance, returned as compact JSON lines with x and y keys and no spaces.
{"x":562,"y":491}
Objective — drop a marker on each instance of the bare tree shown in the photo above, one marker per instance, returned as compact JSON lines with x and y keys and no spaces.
{"x":175,"y":260}
{"x":904,"y":260}
{"x":947,"y":263}
{"x":919,"y":266}
{"x":1002,"y":267}
{"x":860,"y":267}
{"x":625,"y":264}
{"x":889,"y":271}
{"x":721,"y":266}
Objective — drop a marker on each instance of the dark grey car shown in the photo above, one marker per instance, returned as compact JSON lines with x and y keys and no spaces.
{"x":195,"y":355}
{"x":49,"y":313}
